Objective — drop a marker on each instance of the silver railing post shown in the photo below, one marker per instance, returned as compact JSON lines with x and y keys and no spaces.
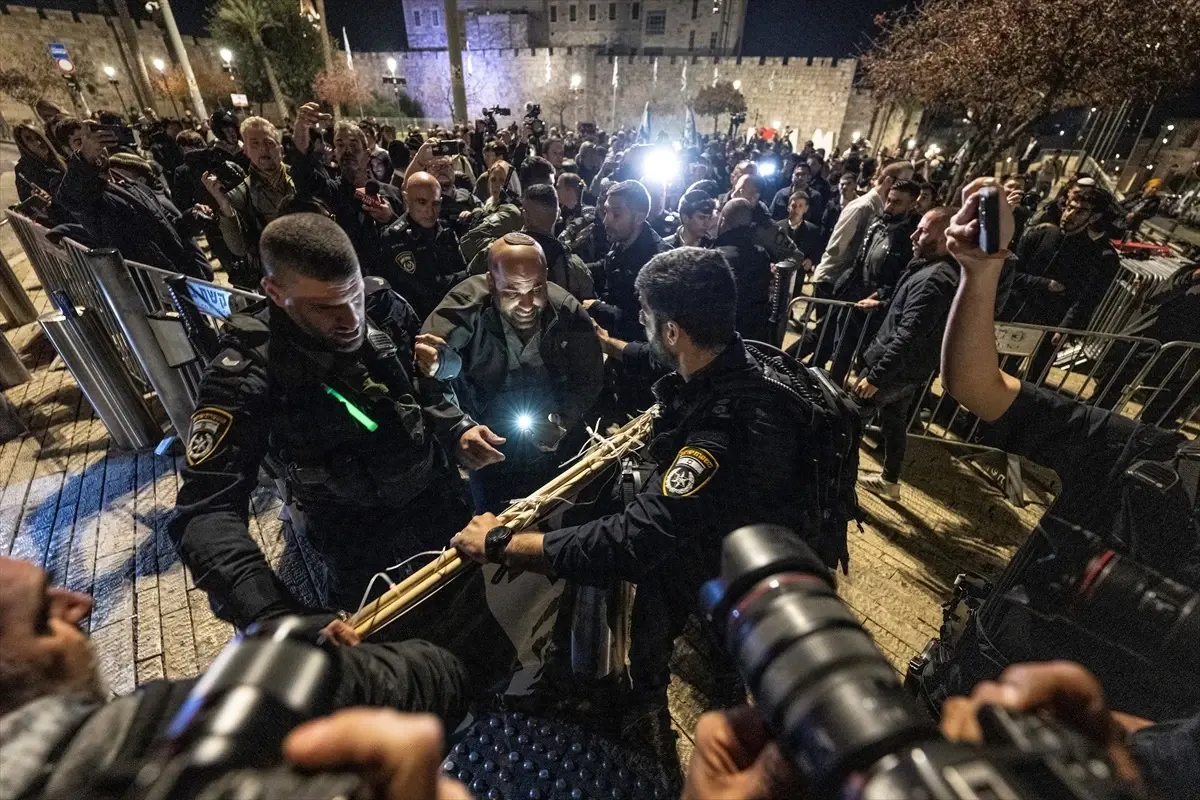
{"x":122,"y":298}
{"x":15,"y":304}
{"x":97,"y":369}
{"x":12,"y":371}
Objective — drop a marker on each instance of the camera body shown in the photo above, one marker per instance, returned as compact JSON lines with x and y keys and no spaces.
{"x":448,"y":147}
{"x":489,"y":118}
{"x":226,"y":740}
{"x":837,"y":708}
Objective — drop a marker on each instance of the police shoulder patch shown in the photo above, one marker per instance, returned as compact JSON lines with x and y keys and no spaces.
{"x":373,"y":284}
{"x":692,"y":469}
{"x":406,"y":261}
{"x":206,"y":433}
{"x":231,"y":360}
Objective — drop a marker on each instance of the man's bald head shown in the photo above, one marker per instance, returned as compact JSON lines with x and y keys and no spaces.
{"x":517,"y":279}
{"x":737,"y":213}
{"x":423,"y":199}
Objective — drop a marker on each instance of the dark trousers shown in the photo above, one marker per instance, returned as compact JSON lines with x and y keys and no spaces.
{"x":892,"y":408}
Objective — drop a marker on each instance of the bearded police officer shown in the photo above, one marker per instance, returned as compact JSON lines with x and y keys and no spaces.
{"x":320,"y":378}
{"x":423,"y":252}
{"x":727,"y":449}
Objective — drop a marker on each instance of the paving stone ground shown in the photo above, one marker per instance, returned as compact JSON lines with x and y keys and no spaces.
{"x":93,"y":517}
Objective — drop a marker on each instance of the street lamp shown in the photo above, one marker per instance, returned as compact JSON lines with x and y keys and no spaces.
{"x":226,"y":56}
{"x":395,"y":81}
{"x":576,"y":81}
{"x":116,"y":84}
{"x":161,"y":66}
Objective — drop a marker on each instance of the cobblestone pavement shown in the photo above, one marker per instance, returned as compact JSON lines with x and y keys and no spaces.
{"x":94,"y":518}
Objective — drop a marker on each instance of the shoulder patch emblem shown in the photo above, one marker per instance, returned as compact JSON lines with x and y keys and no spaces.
{"x":208,"y":429}
{"x":692,"y":469}
{"x":374,"y":283}
{"x":230,"y":360}
{"x":406,"y":261}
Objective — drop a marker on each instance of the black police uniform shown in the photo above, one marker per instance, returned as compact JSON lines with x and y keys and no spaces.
{"x":453,"y":204}
{"x":422,"y":264}
{"x":370,"y":497}
{"x":617,"y":309}
{"x":727,"y":453}
{"x":664,"y":224}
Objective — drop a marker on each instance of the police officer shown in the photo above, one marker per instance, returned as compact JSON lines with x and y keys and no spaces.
{"x":424,"y":260}
{"x":320,"y":379}
{"x":727,"y":451}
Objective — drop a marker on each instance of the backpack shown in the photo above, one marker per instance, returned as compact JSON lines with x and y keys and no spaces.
{"x":829,"y":477}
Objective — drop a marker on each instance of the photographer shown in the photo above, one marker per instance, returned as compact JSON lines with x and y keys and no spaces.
{"x":1092,"y":451}
{"x":61,"y":737}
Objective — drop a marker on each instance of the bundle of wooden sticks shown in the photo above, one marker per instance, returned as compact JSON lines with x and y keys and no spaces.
{"x":522,"y":514}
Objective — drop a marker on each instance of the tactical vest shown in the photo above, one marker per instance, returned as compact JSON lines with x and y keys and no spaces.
{"x":381,"y":456}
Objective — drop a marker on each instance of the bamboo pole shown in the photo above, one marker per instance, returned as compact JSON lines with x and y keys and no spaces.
{"x":521,"y":515}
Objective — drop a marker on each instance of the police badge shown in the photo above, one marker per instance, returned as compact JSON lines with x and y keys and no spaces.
{"x":692,"y":469}
{"x":406,"y":261}
{"x":207,"y":431}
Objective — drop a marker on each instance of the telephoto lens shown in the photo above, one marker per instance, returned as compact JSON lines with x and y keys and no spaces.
{"x":825,"y":688}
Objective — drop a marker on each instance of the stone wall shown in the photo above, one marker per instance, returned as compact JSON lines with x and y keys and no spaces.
{"x":809,"y":95}
{"x":888,"y":127}
{"x":92,"y":43}
{"x":688,"y":26}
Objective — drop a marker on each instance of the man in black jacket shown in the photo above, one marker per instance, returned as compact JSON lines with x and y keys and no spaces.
{"x":529,"y":365}
{"x":634,"y":243}
{"x":904,"y":353}
{"x":804,"y":234}
{"x":751,"y":269}
{"x":423,"y":259}
{"x":363,"y":214}
{"x":141,"y":224}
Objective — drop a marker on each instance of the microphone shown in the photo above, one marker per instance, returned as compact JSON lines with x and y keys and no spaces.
{"x":372,"y":187}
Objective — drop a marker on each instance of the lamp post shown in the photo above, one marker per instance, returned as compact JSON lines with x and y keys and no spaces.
{"x":161,"y":66}
{"x":227,"y":61}
{"x":396,"y":82}
{"x":116,"y":84}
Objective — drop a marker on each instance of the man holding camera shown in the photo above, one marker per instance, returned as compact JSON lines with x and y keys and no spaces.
{"x":1126,"y":495}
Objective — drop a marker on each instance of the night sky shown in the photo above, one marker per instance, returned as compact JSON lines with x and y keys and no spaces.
{"x":826,"y":27}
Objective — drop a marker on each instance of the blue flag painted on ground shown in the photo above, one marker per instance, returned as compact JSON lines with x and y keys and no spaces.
{"x":690,"y":137}
{"x":644,"y":128}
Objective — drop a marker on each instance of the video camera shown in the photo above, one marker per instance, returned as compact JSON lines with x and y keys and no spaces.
{"x":226,"y":740}
{"x":489,"y":119}
{"x":533,"y":118}
{"x":837,"y":709}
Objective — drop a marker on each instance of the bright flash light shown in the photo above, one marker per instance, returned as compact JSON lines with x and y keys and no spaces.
{"x":226,"y":55}
{"x":159,"y":64}
{"x":737,"y":85}
{"x":391,"y":65}
{"x":524,"y":422}
{"x":766,"y":168}
{"x":660,"y":165}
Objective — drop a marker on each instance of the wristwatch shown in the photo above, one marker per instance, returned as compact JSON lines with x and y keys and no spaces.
{"x":495,"y":543}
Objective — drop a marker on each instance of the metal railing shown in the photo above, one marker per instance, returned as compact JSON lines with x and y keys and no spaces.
{"x":1137,"y":281}
{"x":1133,"y":376}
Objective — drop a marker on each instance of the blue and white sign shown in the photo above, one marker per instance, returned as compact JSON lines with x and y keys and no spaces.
{"x":58,"y":51}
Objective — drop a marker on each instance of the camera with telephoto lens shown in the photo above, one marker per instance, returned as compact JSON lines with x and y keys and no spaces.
{"x":226,"y":740}
{"x":836,"y":706}
{"x":489,"y":118}
{"x":533,"y":118}
{"x":737,"y":119}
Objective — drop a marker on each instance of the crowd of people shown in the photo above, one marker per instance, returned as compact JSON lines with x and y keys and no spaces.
{"x":467,"y":301}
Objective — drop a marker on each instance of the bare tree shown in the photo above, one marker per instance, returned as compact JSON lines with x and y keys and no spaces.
{"x":1005,"y":65}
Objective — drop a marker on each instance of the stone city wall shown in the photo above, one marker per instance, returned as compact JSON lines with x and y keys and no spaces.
{"x":91,"y":42}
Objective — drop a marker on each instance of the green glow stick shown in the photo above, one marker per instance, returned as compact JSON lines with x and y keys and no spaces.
{"x":354,"y":410}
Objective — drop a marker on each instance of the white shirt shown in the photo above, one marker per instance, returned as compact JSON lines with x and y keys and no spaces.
{"x":847,"y":237}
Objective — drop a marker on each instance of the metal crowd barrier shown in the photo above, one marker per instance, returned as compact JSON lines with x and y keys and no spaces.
{"x":1131,"y":375}
{"x":1137,"y":281}
{"x":15,"y":304}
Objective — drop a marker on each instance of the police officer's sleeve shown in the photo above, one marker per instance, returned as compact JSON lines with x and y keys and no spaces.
{"x":475,"y":241}
{"x":778,"y":244}
{"x":696,"y":493}
{"x":210,"y":526}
